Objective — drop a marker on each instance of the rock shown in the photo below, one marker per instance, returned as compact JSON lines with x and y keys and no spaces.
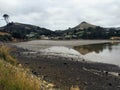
{"x":26,"y":63}
{"x":118,"y":74}
{"x":110,"y":84}
{"x":51,"y":85}
{"x":83,"y":60}
{"x":75,"y":88}
{"x":65,"y":63}
{"x":106,"y":73}
{"x":118,"y":86}
{"x":85,"y":83}
{"x":19,"y":65}
{"x":34,"y":72}
{"x":39,"y":67}
{"x":77,"y":78}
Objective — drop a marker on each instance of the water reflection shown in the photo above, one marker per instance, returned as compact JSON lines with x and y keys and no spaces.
{"x":97,"y":48}
{"x":106,"y":52}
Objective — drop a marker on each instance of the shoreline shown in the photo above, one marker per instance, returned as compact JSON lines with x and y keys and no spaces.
{"x":42,"y":44}
{"x":66,"y":72}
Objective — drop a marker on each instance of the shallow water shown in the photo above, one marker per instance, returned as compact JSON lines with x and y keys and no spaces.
{"x":106,"y":52}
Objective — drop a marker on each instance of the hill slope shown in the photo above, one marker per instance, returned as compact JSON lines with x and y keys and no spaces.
{"x":84,"y":25}
{"x":19,"y":30}
{"x":82,"y":31}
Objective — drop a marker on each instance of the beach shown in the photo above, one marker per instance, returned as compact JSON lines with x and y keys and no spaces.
{"x":66,"y":71}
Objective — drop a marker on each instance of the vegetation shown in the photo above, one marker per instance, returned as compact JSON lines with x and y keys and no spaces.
{"x":13,"y":77}
{"x":5,"y":55}
{"x":25,"y":31}
{"x":6,"y":18}
{"x":82,"y":31}
{"x":5,"y":38}
{"x":92,"y":33}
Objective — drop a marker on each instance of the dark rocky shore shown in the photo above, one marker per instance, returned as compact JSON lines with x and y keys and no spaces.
{"x":67,"y":72}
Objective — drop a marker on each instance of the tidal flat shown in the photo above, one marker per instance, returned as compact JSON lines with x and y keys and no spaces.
{"x":67,"y":71}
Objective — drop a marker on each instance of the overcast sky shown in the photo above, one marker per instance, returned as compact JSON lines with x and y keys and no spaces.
{"x":61,"y":14}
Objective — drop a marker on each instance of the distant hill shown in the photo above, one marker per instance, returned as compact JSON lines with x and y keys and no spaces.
{"x":23,"y":31}
{"x":84,"y":25}
{"x":84,"y":30}
{"x":81,"y":26}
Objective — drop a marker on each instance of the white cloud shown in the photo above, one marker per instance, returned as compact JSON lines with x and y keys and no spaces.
{"x":61,"y":14}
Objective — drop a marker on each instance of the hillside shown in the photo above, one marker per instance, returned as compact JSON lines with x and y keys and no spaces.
{"x":24,"y":31}
{"x":84,"y":30}
{"x":84,"y":25}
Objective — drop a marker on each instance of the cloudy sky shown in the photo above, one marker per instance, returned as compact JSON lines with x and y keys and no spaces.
{"x":61,"y":14}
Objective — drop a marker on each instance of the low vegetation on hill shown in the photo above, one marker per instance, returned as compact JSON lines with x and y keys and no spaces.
{"x":89,"y":31}
{"x":5,"y":36}
{"x":25,"y":31}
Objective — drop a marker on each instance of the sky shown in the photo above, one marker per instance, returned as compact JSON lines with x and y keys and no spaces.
{"x":61,"y":14}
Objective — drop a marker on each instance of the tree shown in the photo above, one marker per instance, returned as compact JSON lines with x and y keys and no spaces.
{"x":6,"y":18}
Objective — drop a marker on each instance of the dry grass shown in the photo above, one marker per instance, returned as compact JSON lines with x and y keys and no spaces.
{"x":4,"y":33}
{"x":75,"y":88}
{"x":13,"y":77}
{"x":5,"y":55}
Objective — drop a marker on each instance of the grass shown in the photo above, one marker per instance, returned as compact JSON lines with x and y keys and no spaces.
{"x":13,"y":77}
{"x":4,"y":33}
{"x":5,"y":55}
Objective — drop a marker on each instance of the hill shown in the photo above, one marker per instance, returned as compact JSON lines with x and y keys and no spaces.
{"x":84,"y":25}
{"x":81,"y":26}
{"x":84,"y":30}
{"x":25,"y":31}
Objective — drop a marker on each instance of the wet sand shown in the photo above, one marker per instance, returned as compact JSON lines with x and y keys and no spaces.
{"x":65,"y":72}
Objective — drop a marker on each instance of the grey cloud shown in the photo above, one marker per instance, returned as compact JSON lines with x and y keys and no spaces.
{"x":61,"y":14}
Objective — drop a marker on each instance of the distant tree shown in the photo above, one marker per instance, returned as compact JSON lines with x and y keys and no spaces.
{"x":6,"y":18}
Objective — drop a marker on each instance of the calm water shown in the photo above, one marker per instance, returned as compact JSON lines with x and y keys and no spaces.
{"x":106,"y":52}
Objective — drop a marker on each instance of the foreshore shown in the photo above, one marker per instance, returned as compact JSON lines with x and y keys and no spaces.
{"x":65,"y":72}
{"x":36,"y":45}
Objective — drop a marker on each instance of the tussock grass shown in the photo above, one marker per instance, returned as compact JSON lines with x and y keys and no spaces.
{"x":13,"y":77}
{"x":5,"y":55}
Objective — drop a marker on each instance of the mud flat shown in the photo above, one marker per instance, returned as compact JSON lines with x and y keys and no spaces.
{"x":66,"y":72}
{"x":42,"y":44}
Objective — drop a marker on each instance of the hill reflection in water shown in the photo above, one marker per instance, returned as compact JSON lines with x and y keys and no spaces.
{"x":97,"y":48}
{"x":105,"y":52}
